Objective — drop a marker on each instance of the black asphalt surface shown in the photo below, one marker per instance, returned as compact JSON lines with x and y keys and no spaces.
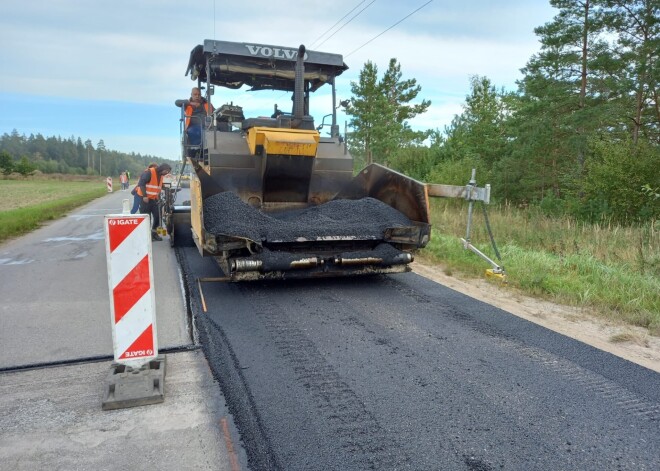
{"x":400,"y":373}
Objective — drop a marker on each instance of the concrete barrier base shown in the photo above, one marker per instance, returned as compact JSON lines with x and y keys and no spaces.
{"x":132,"y":387}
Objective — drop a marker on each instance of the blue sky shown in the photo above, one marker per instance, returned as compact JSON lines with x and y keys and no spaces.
{"x":111,"y":70}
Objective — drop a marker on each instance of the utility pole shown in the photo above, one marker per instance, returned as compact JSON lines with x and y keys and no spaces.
{"x":88,"y":144}
{"x":100,"y":147}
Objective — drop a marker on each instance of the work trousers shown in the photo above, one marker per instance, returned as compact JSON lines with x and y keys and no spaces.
{"x":137,"y":199}
{"x":151,"y":208}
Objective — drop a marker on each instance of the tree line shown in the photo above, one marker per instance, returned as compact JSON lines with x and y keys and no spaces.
{"x":580,"y":136}
{"x":27,"y":154}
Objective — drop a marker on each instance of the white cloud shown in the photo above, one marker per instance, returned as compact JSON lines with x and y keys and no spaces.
{"x":128,"y":51}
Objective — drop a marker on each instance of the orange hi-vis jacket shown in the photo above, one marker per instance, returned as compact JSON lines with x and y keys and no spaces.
{"x":153,"y":186}
{"x":190,"y":112}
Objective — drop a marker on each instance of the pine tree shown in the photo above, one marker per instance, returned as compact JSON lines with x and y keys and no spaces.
{"x":636,"y":24}
{"x":380,"y":110}
{"x":564,"y":100}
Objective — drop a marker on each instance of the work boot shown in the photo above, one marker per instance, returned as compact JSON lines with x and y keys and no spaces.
{"x":155,"y":236}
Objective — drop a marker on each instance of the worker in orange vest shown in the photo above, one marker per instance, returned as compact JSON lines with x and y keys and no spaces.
{"x":123,"y":179}
{"x":196,"y":111}
{"x":137,"y":199}
{"x":148,"y":188}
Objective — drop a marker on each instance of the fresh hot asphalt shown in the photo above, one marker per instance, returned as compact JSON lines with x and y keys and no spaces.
{"x":226,"y":213}
{"x":398,"y":372}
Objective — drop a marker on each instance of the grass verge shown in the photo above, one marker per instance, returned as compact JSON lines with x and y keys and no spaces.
{"x":613,"y":271}
{"x":17,"y":221}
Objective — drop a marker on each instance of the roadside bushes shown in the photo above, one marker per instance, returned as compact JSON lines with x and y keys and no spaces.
{"x":616,"y":181}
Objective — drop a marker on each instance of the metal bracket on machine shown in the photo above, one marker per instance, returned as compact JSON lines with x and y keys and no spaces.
{"x":472,"y":193}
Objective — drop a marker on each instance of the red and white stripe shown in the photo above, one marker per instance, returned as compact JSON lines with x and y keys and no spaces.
{"x":132,"y":297}
{"x":108,"y":183}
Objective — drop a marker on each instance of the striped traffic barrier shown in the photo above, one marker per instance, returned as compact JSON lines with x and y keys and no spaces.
{"x":132,"y":296}
{"x":108,"y":183}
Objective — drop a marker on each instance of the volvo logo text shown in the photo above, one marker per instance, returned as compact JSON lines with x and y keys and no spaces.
{"x":276,"y":52}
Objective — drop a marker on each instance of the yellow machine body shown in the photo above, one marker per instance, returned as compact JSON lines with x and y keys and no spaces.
{"x":283,"y":141}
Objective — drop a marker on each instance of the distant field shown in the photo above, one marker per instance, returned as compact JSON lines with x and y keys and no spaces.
{"x":24,"y":193}
{"x":26,"y":204}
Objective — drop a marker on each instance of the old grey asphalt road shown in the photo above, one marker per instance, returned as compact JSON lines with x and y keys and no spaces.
{"x":55,"y":311}
{"x":400,"y":373}
{"x":55,"y":294}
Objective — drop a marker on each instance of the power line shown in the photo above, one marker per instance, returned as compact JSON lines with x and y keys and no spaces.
{"x":352,"y":18}
{"x":379,"y":35}
{"x":329,"y":29}
{"x":340,"y":20}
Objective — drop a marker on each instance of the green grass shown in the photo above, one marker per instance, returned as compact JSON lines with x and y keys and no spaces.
{"x":614,"y":271}
{"x":26,"y":204}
